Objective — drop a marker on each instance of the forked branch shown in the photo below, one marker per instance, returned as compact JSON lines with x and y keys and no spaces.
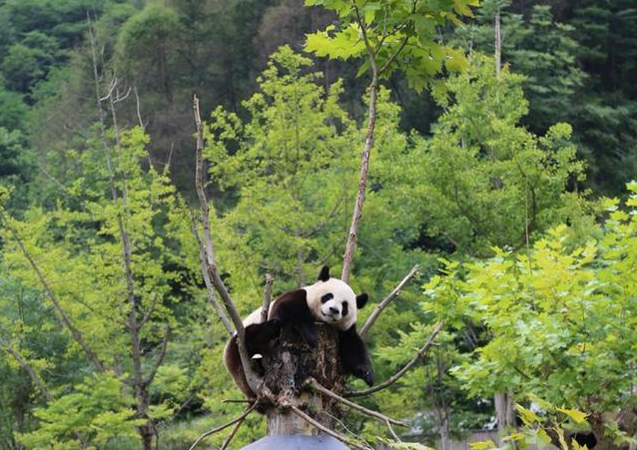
{"x":382,"y":305}
{"x":403,"y":371}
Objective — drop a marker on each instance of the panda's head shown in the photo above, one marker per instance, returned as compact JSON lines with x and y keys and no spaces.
{"x":332,"y":301}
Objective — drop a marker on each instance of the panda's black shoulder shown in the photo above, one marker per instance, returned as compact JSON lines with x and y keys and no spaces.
{"x":291,"y":305}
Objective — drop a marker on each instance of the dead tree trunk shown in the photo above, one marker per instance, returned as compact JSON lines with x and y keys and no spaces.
{"x":288,"y":365}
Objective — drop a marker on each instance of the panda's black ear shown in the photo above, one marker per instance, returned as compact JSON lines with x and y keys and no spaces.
{"x":361,"y":300}
{"x":325,"y":274}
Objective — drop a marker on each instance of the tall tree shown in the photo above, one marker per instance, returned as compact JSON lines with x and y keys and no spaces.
{"x":387,"y":36}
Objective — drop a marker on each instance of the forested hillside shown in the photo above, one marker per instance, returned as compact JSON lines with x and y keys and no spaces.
{"x":505,"y":146}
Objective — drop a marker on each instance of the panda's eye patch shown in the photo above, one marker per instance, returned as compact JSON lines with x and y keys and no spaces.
{"x":345,"y":309}
{"x":327,"y":297}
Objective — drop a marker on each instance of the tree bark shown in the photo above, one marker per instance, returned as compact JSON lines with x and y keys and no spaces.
{"x":287,"y":366}
{"x":352,"y":236}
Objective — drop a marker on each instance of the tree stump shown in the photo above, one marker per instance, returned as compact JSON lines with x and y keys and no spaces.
{"x":289,"y":362}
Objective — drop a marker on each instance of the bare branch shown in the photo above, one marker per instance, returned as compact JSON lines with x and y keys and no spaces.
{"x":64,"y":318}
{"x":139,"y":114}
{"x":111,"y":88}
{"x":51,"y":177}
{"x":352,"y":236}
{"x":393,"y":433}
{"x":393,"y":56}
{"x":402,"y":371}
{"x":160,"y":357}
{"x":120,"y":98}
{"x":267,"y":295}
{"x":326,"y":430}
{"x":382,"y":305}
{"x":319,"y":388}
{"x":245,"y":413}
{"x":29,"y":369}
{"x":148,"y":313}
{"x":209,"y":261}
{"x":199,"y":182}
{"x":212,"y":298}
{"x":231,"y":435}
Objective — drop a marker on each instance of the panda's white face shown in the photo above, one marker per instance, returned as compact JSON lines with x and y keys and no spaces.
{"x":333,"y":302}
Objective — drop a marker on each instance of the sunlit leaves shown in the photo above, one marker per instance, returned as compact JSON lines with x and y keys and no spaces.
{"x":96,"y":412}
{"x":394,"y":34}
{"x":558,"y":317}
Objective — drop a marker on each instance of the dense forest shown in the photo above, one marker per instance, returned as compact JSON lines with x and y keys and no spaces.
{"x":500,"y":179}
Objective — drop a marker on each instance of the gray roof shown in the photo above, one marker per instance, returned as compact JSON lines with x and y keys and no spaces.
{"x":290,"y":442}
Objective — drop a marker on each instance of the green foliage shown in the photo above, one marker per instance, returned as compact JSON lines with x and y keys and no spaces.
{"x":96,"y":413}
{"x":392,"y":34}
{"x":537,"y":47}
{"x":559,"y":318}
{"x":487,"y":181}
{"x":156,"y":27}
{"x":289,"y":164}
{"x":76,"y":246}
{"x":12,"y":110}
{"x":283,"y":171}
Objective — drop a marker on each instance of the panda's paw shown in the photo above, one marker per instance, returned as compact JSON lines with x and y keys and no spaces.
{"x":365,"y":374}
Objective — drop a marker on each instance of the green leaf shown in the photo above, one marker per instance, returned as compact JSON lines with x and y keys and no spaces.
{"x":574,"y":414}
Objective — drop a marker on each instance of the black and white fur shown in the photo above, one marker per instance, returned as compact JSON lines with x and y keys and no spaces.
{"x":329,"y":300}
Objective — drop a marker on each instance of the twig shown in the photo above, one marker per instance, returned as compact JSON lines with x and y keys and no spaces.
{"x":267,"y":295}
{"x":232,"y":433}
{"x":402,"y":371}
{"x":393,"y":433}
{"x":236,"y":400}
{"x":245,"y":413}
{"x":382,"y":305}
{"x":326,"y":430}
{"x":160,"y":357}
{"x":148,"y":313}
{"x":199,"y":183}
{"x":318,"y":387}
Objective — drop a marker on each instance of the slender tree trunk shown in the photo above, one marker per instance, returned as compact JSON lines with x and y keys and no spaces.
{"x":498,"y":44}
{"x":503,"y":402}
{"x":352,"y":237}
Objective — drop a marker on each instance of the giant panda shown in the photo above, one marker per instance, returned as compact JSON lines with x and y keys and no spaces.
{"x":329,"y":300}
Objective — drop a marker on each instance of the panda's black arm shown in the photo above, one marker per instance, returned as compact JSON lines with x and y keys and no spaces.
{"x":291,"y":309}
{"x":354,"y":356}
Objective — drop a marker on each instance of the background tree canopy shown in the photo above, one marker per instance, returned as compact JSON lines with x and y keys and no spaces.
{"x":510,"y":189}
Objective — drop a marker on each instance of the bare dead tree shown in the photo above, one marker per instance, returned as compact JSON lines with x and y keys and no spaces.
{"x":289,"y":412}
{"x":498,"y":43}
